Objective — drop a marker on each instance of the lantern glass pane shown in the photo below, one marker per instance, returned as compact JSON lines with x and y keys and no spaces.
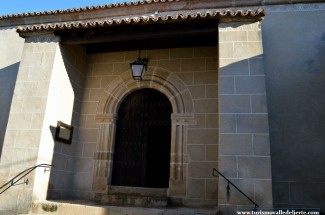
{"x":137,"y":70}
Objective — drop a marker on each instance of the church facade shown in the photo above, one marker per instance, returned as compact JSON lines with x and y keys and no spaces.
{"x":229,"y":86}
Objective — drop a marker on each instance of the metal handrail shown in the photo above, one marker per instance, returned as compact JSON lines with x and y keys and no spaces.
{"x":21,"y":175}
{"x":229,"y":182}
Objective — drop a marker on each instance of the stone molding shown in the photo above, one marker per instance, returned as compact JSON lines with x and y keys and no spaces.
{"x":48,"y":37}
{"x":122,"y":10}
{"x":184,"y":119}
{"x":299,"y":7}
{"x":149,"y":5}
{"x":295,"y":7}
{"x":239,"y":26}
{"x":106,"y":118}
{"x":183,"y":115}
{"x":219,"y":15}
{"x":160,"y":79}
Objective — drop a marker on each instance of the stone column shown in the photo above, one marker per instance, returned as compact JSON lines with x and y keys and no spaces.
{"x":178,"y":158}
{"x":104,"y":152}
{"x":244,"y":133}
{"x":25,"y":143}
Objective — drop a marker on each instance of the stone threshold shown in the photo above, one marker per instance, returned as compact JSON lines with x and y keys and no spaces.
{"x":81,"y":207}
{"x":133,"y":196}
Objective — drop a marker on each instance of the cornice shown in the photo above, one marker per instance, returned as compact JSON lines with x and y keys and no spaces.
{"x":81,"y":9}
{"x":174,"y":4}
{"x":224,"y":15}
{"x":143,"y":11}
{"x":132,"y":8}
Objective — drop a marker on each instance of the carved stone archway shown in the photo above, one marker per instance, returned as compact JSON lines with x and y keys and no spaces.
{"x":106,"y":115}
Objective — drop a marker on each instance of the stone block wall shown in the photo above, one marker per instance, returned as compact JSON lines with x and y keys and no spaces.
{"x":23,"y":146}
{"x":196,"y":70}
{"x":62,"y":175}
{"x":244,"y":133}
{"x":47,"y":90}
{"x":295,"y":75}
{"x":50,"y":75}
{"x":10,"y":54}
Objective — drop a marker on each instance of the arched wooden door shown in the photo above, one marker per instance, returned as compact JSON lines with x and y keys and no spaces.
{"x":142,"y":146}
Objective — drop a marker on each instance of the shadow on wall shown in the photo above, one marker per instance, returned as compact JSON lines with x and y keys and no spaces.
{"x":62,"y":174}
{"x":21,"y":192}
{"x":244,"y":151}
{"x":8,"y":77}
{"x":295,"y":75}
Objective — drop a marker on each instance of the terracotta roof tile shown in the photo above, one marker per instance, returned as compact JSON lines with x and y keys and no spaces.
{"x":146,"y":18}
{"x":88,"y":8}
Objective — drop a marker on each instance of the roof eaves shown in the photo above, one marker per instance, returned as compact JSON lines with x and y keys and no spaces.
{"x":87,"y":8}
{"x":147,"y":18}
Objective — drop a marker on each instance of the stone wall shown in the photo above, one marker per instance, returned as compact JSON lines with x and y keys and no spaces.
{"x":25,"y":142}
{"x":12,"y":47}
{"x":11,"y":50}
{"x":294,"y":44}
{"x":293,"y":58}
{"x":72,"y":80}
{"x":244,"y":134}
{"x":194,"y":72}
{"x":47,"y":90}
{"x":91,"y":87}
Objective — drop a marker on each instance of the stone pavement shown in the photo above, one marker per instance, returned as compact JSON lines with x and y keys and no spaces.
{"x":91,"y":208}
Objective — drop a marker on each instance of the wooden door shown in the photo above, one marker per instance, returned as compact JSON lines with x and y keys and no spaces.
{"x":142,"y":146}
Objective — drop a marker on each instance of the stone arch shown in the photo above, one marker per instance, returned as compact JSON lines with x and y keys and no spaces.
{"x":106,"y":114}
{"x":160,"y":79}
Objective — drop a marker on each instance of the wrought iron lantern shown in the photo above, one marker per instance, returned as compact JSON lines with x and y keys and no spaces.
{"x":138,"y":67}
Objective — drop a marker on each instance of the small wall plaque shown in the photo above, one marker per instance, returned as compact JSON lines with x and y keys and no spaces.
{"x":63,"y":133}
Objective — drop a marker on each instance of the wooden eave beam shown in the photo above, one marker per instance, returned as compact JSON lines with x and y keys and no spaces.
{"x":110,"y":37}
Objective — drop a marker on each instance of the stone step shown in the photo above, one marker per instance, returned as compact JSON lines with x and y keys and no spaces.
{"x":133,"y":196}
{"x":91,"y":208}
